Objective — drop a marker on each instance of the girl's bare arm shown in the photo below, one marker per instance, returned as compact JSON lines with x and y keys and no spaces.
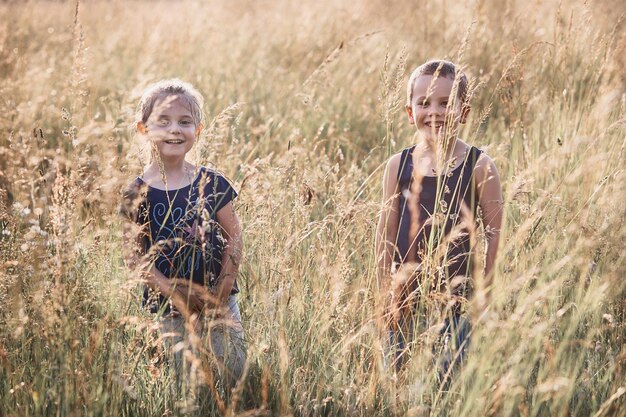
{"x":231,"y":231}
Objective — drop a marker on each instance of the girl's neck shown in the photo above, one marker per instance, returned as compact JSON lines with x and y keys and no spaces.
{"x":169,"y":174}
{"x":170,"y":166}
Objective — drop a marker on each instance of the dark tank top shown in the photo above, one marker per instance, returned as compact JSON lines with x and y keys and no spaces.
{"x":439,"y":207}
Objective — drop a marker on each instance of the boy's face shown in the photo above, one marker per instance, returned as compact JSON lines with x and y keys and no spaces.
{"x":171,"y":127}
{"x":435,"y":109}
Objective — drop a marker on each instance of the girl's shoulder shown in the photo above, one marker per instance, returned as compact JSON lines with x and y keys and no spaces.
{"x":214,"y":178}
{"x":218,"y":189}
{"x":132,"y":196}
{"x":211,"y":172}
{"x":135,"y":188}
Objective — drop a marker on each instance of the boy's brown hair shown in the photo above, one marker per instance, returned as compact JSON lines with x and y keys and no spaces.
{"x":440,"y":68}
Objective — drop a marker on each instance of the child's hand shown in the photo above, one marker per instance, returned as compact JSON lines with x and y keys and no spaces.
{"x":404,"y":292}
{"x":195,"y":298}
{"x":481,"y":310}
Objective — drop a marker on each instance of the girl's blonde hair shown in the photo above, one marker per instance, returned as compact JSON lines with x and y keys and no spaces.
{"x":170,"y":88}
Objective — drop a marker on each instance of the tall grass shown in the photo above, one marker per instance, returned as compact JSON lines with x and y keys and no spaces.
{"x":305,"y":100}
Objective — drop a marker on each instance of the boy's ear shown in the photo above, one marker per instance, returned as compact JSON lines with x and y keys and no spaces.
{"x":141,"y":128}
{"x":409,"y":112}
{"x":465,"y":109}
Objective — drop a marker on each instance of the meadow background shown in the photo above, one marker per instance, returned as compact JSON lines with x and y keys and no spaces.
{"x":304,"y":104}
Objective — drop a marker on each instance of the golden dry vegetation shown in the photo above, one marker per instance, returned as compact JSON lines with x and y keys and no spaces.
{"x":304,"y":102}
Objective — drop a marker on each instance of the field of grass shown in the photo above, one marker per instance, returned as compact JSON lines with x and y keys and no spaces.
{"x":304,"y":104}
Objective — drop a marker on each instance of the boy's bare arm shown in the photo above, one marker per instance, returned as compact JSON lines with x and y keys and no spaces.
{"x":388,"y":222}
{"x":490,"y":201}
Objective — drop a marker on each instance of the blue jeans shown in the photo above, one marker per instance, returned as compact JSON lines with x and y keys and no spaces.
{"x":222,"y":338}
{"x":455,"y":338}
{"x":449,"y":352}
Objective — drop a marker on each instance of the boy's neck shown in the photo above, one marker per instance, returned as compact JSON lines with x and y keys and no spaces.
{"x":433,"y":160}
{"x":438,"y":149}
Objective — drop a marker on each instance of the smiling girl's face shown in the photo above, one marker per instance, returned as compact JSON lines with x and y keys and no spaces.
{"x":434,"y":110}
{"x":171,"y":127}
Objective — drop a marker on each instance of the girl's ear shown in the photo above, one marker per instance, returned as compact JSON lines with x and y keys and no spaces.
{"x":465,"y":109}
{"x":141,"y":128}
{"x":199,"y":129}
{"x":409,"y":112}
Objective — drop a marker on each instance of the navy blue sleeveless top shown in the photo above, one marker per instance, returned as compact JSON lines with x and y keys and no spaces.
{"x":439,"y":206}
{"x":180,"y":229}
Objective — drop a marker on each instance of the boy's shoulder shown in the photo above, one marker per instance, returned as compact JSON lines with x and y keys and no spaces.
{"x":394,"y":161}
{"x":392,"y":171}
{"x":485,"y":168}
{"x":484,"y":160}
{"x":396,"y":158}
{"x":477,"y":155}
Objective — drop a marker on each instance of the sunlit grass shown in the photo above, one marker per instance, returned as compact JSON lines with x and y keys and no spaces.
{"x":304,"y":102}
